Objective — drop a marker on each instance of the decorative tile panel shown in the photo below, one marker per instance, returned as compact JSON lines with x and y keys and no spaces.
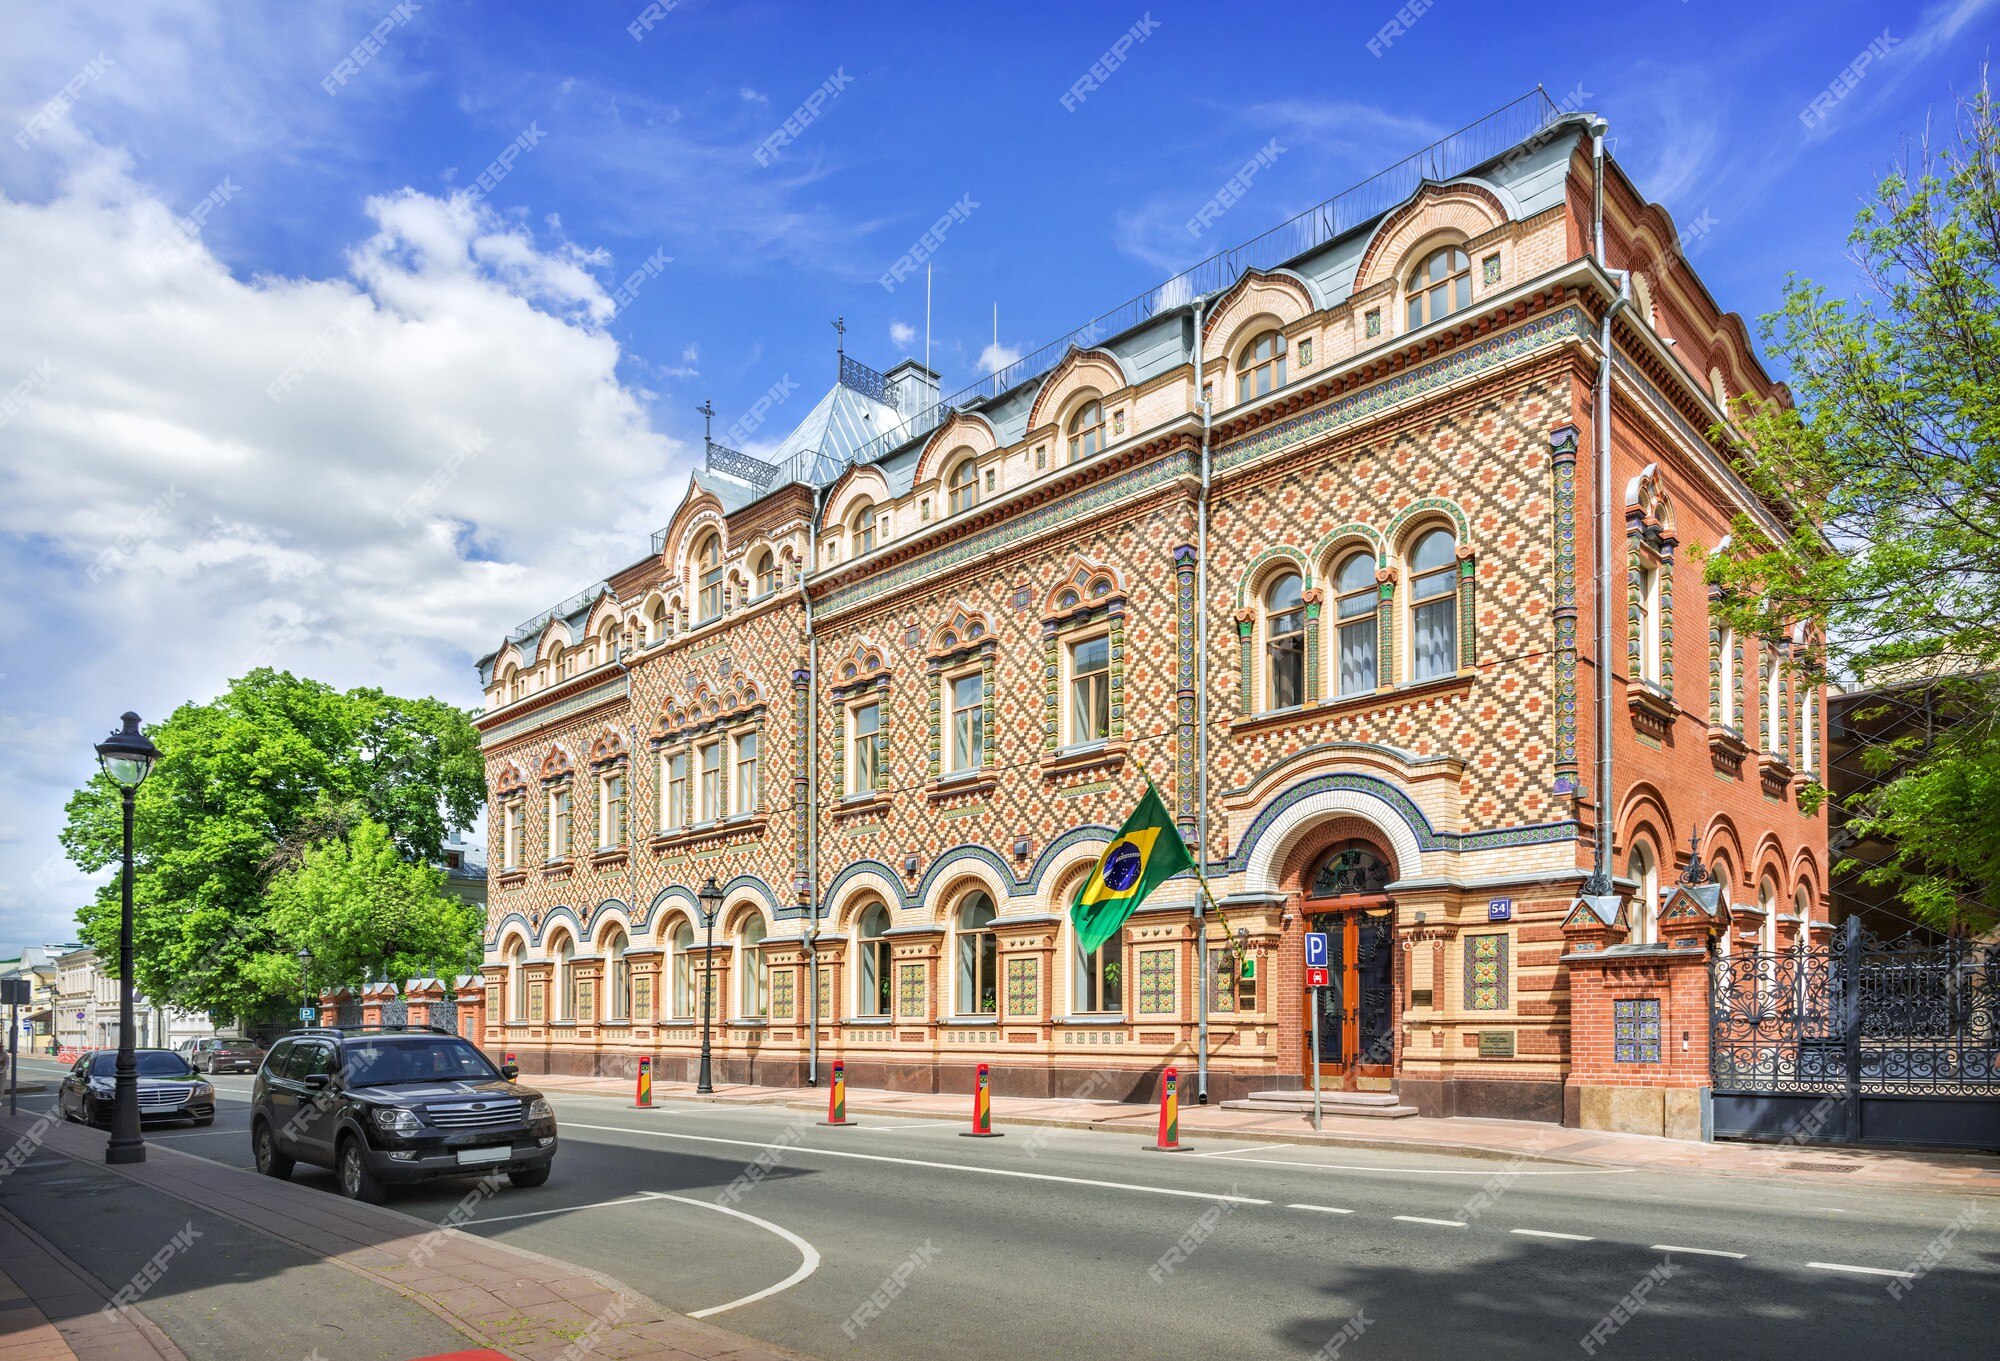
{"x":1024,"y":979}
{"x":1486,"y":972}
{"x":1635,"y":1027}
{"x":910,"y":991}
{"x":784,"y":994}
{"x":1156,"y":982}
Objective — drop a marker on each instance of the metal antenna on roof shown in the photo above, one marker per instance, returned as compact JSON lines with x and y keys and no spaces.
{"x":707,"y":410}
{"x":927,"y":318}
{"x":840,"y":345}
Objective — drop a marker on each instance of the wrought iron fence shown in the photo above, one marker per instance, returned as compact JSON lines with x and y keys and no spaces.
{"x":1917,"y":1014}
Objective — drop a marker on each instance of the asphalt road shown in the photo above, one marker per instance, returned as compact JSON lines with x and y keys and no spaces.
{"x":898,"y":1238}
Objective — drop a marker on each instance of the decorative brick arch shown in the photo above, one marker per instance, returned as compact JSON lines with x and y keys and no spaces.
{"x":509,"y":783}
{"x":557,"y":765}
{"x":1278,"y":299}
{"x":1462,"y":208}
{"x":963,"y":430}
{"x":1341,"y":535}
{"x":1294,"y":872}
{"x":1097,"y":371}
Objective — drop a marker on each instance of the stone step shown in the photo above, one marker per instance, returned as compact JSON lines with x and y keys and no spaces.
{"x":1370,"y":1105}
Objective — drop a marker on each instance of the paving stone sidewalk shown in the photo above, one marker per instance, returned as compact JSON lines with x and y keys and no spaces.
{"x":521,"y":1303}
{"x":1957,"y":1173}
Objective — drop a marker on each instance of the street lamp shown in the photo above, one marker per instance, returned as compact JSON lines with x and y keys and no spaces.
{"x":711,"y":903}
{"x":305,"y":983}
{"x":127,"y":757}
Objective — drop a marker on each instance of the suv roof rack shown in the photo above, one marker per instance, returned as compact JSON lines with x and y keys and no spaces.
{"x":342,"y":1030}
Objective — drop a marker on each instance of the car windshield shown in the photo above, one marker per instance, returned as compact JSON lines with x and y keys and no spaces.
{"x":152,"y":1063}
{"x":371,"y":1063}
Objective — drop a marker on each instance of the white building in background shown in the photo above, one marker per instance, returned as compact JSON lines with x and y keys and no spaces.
{"x":86,"y":1006}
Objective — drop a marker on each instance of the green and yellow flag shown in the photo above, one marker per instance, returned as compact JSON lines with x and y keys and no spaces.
{"x":1146,"y":852}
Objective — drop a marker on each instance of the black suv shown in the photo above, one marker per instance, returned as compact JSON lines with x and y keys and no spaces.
{"x":395,"y":1104}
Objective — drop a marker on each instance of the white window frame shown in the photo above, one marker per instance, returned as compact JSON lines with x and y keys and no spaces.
{"x":1369,"y":618}
{"x":969,"y":958}
{"x":512,"y":821}
{"x":673,"y":789}
{"x":975,"y":759}
{"x":708,"y":783}
{"x":859,"y":743}
{"x":611,"y":812}
{"x":1086,"y":976}
{"x":876,"y":953}
{"x":562,"y":814}
{"x":1649,"y":622}
{"x":753,"y":993}
{"x":681,"y":944}
{"x":744,"y":791}
{"x":1073,"y":685}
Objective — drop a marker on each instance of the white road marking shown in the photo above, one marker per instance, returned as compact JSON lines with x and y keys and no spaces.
{"x":1441,"y":1223}
{"x":559,"y":1210}
{"x":1865,"y":1270}
{"x":1699,"y":1252}
{"x":193,"y":1133}
{"x":1548,"y":1233}
{"x":807,"y":1252}
{"x":936,"y":1124}
{"x":1508,"y":1171}
{"x":1254,"y":1148}
{"x":944,"y":1167}
{"x":1323,"y":1209}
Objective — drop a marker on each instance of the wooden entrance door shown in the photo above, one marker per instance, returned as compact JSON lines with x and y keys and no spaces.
{"x":1356,"y":1011}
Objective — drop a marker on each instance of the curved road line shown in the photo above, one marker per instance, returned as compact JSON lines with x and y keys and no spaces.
{"x":806,"y":1251}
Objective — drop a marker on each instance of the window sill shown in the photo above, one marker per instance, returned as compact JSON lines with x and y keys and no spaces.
{"x":963,"y":784}
{"x":984,"y":1018}
{"x":1349,"y":704}
{"x":741,"y":1022}
{"x":1727,"y":749}
{"x":512,"y":878}
{"x":558,"y":869}
{"x":682,"y":838}
{"x":1106,"y":755}
{"x":869,"y":1022}
{"x":854,"y":806}
{"x":611,"y":856}
{"x":1098,"y":1019}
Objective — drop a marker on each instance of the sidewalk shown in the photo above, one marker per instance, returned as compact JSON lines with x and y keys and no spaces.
{"x":251,"y":1267}
{"x":1959,"y":1173}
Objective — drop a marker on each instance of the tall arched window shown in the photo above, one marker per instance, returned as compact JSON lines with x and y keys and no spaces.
{"x":618,"y":1003}
{"x":1433,"y":605}
{"x":1354,"y":609}
{"x":1808,"y":726}
{"x":1647,"y":626}
{"x":875,"y":972}
{"x":1261,"y":367}
{"x":683,"y":948}
{"x":1100,"y":975}
{"x":708,"y":566}
{"x":1773,"y":698}
{"x":964,"y":483}
{"x":978,"y":957}
{"x":656,"y":622}
{"x":564,"y":955}
{"x":1439,"y":286}
{"x":1767,"y":900}
{"x":1285,"y":642}
{"x":754,"y":968}
{"x":861,"y":528}
{"x":517,"y":987}
{"x":562,"y":663}
{"x":766,"y":569}
{"x":1725,"y":679}
{"x":1086,"y":431}
{"x":607,"y":642}
{"x":1644,"y":867}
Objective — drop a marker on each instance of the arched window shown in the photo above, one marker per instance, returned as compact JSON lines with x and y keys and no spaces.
{"x":1261,"y":366}
{"x":1644,"y":867}
{"x":978,"y":957}
{"x":510,"y":685}
{"x":1086,"y":431}
{"x":1350,"y":868}
{"x":683,"y":948}
{"x":964,"y":484}
{"x":517,"y":988}
{"x":1647,"y":626}
{"x":1100,"y":975}
{"x":656,"y":622}
{"x":564,"y":955}
{"x":607,"y":643}
{"x":861,"y":525}
{"x":1808,"y":726}
{"x":1773,"y":698}
{"x":1725,"y":680}
{"x":618,"y":1004}
{"x":874,"y":975}
{"x":754,"y":968}
{"x":562,"y":663}
{"x":1285,"y":642}
{"x":1354,"y":610}
{"x":764,"y":566}
{"x":708,"y":568}
{"x":1439,"y":286}
{"x":1767,"y":900}
{"x":1433,"y":606}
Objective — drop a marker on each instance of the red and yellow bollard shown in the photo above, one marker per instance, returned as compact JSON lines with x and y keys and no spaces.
{"x":511,"y":1064}
{"x":982,"y":1108}
{"x":836,"y":1097}
{"x":643,"y":1100}
{"x":1170,"y":1114}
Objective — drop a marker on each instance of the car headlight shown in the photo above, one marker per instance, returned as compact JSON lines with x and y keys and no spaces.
{"x":203,"y":1089}
{"x":396,"y":1120}
{"x":539,"y":1109}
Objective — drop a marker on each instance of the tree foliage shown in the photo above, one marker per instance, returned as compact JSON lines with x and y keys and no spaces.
{"x":1892,"y":461}
{"x":246,"y":784}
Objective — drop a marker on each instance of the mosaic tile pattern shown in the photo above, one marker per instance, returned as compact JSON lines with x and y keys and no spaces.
{"x":784,"y":999}
{"x":910,"y":991}
{"x":1635,"y":1023}
{"x":1156,"y":982}
{"x":1486,"y":972}
{"x":1024,"y":978}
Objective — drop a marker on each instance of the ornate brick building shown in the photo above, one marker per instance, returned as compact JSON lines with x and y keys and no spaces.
{"x":1309,"y":544}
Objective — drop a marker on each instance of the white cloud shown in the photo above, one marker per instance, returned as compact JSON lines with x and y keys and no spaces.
{"x":321,"y":530}
{"x":997,"y":356}
{"x":691,"y":353}
{"x":750,"y":96}
{"x":901,"y":332}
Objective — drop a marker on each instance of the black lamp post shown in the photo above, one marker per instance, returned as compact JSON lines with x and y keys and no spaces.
{"x":711,"y":903}
{"x":127,"y":757}
{"x":305,"y":985}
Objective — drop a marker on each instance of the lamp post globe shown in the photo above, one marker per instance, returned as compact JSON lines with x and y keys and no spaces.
{"x":711,"y":904}
{"x":127,"y":757}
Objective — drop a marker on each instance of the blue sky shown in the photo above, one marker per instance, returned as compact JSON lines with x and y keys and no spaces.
{"x":471,"y":418}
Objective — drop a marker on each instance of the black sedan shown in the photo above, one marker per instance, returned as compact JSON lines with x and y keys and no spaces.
{"x":168,"y":1088}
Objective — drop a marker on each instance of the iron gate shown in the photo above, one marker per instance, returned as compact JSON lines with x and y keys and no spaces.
{"x":1861,"y":1041}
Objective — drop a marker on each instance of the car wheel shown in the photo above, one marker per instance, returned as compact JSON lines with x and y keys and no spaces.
{"x":356,"y":1181}
{"x":271,"y":1160}
{"x":531,"y":1176}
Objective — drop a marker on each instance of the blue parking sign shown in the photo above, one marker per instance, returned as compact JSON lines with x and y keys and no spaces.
{"x":1315,"y":949}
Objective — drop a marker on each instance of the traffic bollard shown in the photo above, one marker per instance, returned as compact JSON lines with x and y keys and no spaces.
{"x":836,"y":1097}
{"x":644,"y":1100}
{"x":982,"y":1109}
{"x":1170,"y":1114}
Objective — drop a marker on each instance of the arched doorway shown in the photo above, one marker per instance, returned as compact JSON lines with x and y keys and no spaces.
{"x":1345,"y":898}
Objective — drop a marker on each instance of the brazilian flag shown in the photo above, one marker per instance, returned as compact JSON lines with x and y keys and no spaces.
{"x":1146,"y":852}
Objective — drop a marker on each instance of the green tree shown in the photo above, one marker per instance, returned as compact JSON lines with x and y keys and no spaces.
{"x":366,"y":911}
{"x":1892,"y":461}
{"x":245,"y":784}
